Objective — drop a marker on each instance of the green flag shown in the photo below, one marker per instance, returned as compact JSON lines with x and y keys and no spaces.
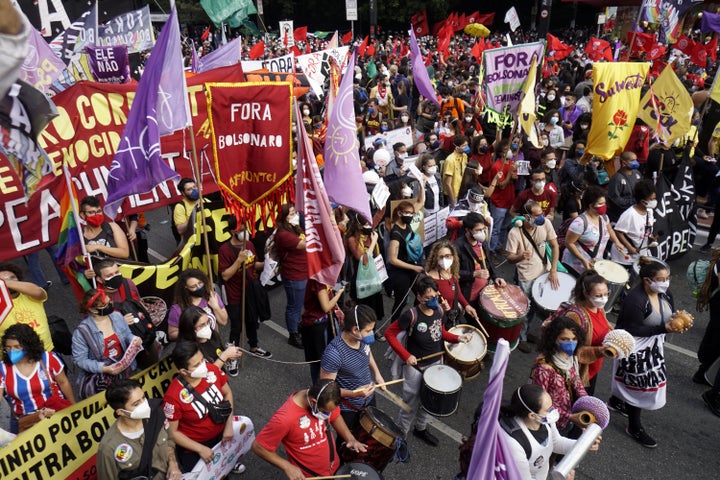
{"x":232,"y":12}
{"x":371,"y":69}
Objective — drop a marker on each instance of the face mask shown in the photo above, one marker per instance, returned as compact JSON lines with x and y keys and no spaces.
{"x":204,"y":333}
{"x":634,"y":165}
{"x":432,"y":170}
{"x":466,"y":150}
{"x":106,"y":310}
{"x":509,"y":155}
{"x":579,"y":152}
{"x":294,"y":220}
{"x":659,"y":287}
{"x":584,"y":126}
{"x":540,"y":186}
{"x":243,"y":236}
{"x":554,"y":120}
{"x":141,"y":412}
{"x":384,"y":128}
{"x":551,"y":164}
{"x":601,"y":209}
{"x":306,"y":113}
{"x":371,"y":111}
{"x":198,"y":292}
{"x":551,"y":418}
{"x":369,"y":340}
{"x":406,"y":219}
{"x":16,"y":355}
{"x":551,"y":97}
{"x":475,"y":207}
{"x":480,"y":236}
{"x":322,"y":416}
{"x":404,"y":119}
{"x":446,"y":263}
{"x":402,"y":155}
{"x":514,"y":145}
{"x":599,"y":302}
{"x":407,"y":192}
{"x":435,"y":144}
{"x":650,"y":204}
{"x":95,"y":220}
{"x":567,"y":347}
{"x":194,"y":195}
{"x":433,"y":303}
{"x":201,"y":371}
{"x":468,"y":119}
{"x":114,"y":282}
{"x":539,"y":221}
{"x":483,"y":148}
{"x":545,"y":142}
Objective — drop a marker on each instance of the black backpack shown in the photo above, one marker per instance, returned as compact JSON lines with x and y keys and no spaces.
{"x":143,"y":328}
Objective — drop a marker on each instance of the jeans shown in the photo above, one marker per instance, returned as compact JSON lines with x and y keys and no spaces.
{"x":295,"y":293}
{"x":501,"y":223}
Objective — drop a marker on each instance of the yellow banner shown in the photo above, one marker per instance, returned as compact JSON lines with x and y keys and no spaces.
{"x":667,"y":107}
{"x":64,"y":446}
{"x":526,"y":110}
{"x":616,"y":101}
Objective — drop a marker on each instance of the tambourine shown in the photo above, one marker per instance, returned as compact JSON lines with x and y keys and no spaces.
{"x":681,"y":321}
{"x":618,"y":343}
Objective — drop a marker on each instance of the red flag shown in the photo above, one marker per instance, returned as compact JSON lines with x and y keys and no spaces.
{"x":444,"y":37}
{"x":404,"y":50}
{"x":699,"y":55}
{"x":363,"y":46}
{"x":478,"y":48}
{"x":657,"y":68}
{"x":658,"y":51}
{"x":300,"y":34}
{"x":307,"y":48}
{"x":559,"y":49}
{"x":257,"y":51}
{"x":685,"y":45}
{"x":296,"y":50}
{"x":597,"y":49}
{"x":205,"y":34}
{"x":640,"y":42}
{"x":711,"y":48}
{"x":486,"y":19}
{"x":420,"y":24}
{"x":472,"y":18}
{"x":370,"y":50}
{"x":347,"y":38}
{"x":461,"y":22}
{"x":437,"y":27}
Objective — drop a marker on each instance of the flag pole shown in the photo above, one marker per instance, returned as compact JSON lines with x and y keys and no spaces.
{"x":244,"y":306}
{"x":73,"y":205}
{"x":132,"y":244}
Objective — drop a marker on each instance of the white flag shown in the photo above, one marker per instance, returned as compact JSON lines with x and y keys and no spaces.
{"x":512,"y":18}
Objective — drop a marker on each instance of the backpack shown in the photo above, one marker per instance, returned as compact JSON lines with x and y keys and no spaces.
{"x":414,"y":247}
{"x":514,"y":430}
{"x":563,"y":229}
{"x":696,"y":274}
{"x":563,"y":310}
{"x":143,"y":328}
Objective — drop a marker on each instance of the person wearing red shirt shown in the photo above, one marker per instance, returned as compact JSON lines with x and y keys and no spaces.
{"x":300,"y":425}
{"x":503,"y":174}
{"x":290,"y":245}
{"x":193,"y":431}
{"x":443,"y":265}
{"x":539,"y":192}
{"x":482,"y":153}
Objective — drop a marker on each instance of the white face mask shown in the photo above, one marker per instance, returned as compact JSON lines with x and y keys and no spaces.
{"x":432,"y":170}
{"x":599,"y":302}
{"x":475,"y":207}
{"x":552,"y":417}
{"x":404,"y":119}
{"x":545,"y":142}
{"x":480,"y":236}
{"x":540,"y":186}
{"x":551,"y":97}
{"x":445,"y":263}
{"x":407,"y":192}
{"x":204,"y":333}
{"x":509,"y":155}
{"x":141,"y":412}
{"x":294,"y":220}
{"x":306,"y":113}
{"x":551,"y":164}
{"x":468,"y":119}
{"x":651,"y":204}
{"x":201,"y":371}
{"x":242,"y":236}
{"x":659,"y":287}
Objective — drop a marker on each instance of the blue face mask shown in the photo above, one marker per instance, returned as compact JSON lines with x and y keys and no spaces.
{"x":371,"y":111}
{"x":514,"y":146}
{"x":568,"y":347}
{"x":540,"y":220}
{"x":466,"y":150}
{"x":634,"y":165}
{"x":579,"y":152}
{"x":16,"y":355}
{"x":433,"y":303}
{"x":435,"y":144}
{"x":369,"y":340}
{"x":194,"y":194}
{"x":384,"y":128}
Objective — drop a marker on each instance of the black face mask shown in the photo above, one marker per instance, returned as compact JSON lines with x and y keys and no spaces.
{"x":367,"y":230}
{"x":106,"y":310}
{"x":114,"y":282}
{"x":406,"y":219}
{"x":200,"y":292}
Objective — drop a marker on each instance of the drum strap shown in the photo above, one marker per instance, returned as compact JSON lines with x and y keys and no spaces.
{"x":595,"y":249}
{"x":532,"y":242}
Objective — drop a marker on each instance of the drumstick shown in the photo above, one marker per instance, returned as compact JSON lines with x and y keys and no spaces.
{"x":397,"y":400}
{"x":483,"y":329}
{"x":358,"y":390}
{"x":346,"y":475}
{"x":432,"y":355}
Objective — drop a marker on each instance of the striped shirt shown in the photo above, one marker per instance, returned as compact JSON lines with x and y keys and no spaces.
{"x":352,"y":367}
{"x":28,"y":394}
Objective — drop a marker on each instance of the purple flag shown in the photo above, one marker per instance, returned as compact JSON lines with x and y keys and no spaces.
{"x":343,"y":175}
{"x":491,"y":457}
{"x":109,"y":64}
{"x":160,"y":107}
{"x":41,"y":66}
{"x":420,"y":74}
{"x":228,"y":54}
{"x":710,"y":22}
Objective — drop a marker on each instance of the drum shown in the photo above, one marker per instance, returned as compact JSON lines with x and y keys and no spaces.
{"x":466,"y":358}
{"x":616,"y":277}
{"x":378,"y":431}
{"x":440,"y":391}
{"x":502,"y":312}
{"x":547,"y":299}
{"x":359,"y":471}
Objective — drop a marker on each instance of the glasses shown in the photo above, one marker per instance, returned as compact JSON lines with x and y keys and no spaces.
{"x":407,"y":213}
{"x":195,"y":287}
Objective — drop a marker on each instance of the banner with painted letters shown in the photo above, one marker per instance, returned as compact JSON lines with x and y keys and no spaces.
{"x":316,"y":66}
{"x":109,"y":64}
{"x":506,"y":70}
{"x":284,"y":64}
{"x":132,"y":29}
{"x":667,"y":107}
{"x":641,"y":378}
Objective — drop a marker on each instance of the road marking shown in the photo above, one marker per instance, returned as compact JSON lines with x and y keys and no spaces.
{"x":156,"y":255}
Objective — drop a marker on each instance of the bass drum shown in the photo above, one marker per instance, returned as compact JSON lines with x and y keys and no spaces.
{"x":440,"y":391}
{"x":502,"y":312}
{"x":359,"y":471}
{"x":548,"y":299}
{"x":380,"y":433}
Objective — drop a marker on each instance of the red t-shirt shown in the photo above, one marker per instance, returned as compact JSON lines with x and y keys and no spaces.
{"x":502,"y":197}
{"x":180,"y":405}
{"x":227,"y":254}
{"x":303,"y":436}
{"x":600,"y":329}
{"x":447,"y":288}
{"x":547,"y":199}
{"x":312,"y":311}
{"x":485,"y":161}
{"x":293,"y":262}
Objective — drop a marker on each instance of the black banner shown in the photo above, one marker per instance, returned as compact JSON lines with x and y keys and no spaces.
{"x":675,"y":216}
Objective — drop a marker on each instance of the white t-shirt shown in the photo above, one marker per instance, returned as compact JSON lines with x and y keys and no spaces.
{"x":432,"y":184}
{"x":636,"y":227}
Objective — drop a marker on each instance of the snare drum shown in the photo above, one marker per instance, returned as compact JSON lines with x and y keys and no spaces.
{"x":616,"y":276}
{"x":380,"y":433}
{"x":359,"y":471}
{"x":466,"y":358}
{"x":502,"y":312}
{"x":440,"y":391}
{"x":547,"y":299}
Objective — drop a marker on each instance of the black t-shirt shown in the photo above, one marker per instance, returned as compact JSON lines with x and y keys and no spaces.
{"x":399,"y":234}
{"x":426,"y":335}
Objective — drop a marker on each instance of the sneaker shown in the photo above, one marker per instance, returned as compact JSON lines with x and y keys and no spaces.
{"x":699,"y":377}
{"x":295,"y":340}
{"x":532,"y":338}
{"x":618,"y":406}
{"x":260,"y":352}
{"x":712,"y":401}
{"x":380,"y":337}
{"x":524,"y":347}
{"x":238,"y":469}
{"x":642,"y":438}
{"x":426,"y":437}
{"x":705,"y":248}
{"x":47,"y":286}
{"x":231,"y":367}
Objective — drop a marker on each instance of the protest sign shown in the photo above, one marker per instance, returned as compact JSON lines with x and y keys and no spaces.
{"x":316,"y":66}
{"x":505,"y":72}
{"x":132,"y":29}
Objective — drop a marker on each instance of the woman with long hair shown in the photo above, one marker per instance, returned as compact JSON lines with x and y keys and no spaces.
{"x":193,"y":289}
{"x":405,"y":254}
{"x":443,"y":265}
{"x":570,"y":200}
{"x":362,"y":245}
{"x":557,"y":371}
{"x":194,"y":326}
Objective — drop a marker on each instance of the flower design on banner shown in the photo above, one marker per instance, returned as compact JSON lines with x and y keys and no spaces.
{"x":619,"y":121}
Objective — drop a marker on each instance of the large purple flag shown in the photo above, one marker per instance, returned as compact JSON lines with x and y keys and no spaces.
{"x":710,"y":22}
{"x":420,"y":74}
{"x":343,"y":175}
{"x":160,"y":108}
{"x":41,"y":66}
{"x":491,"y":458}
{"x":228,"y":54}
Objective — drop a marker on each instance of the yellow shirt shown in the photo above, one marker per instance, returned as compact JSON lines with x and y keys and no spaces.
{"x":454,"y":166}
{"x":31,"y":312}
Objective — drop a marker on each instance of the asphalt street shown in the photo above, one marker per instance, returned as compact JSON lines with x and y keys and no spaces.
{"x":688,"y":434}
